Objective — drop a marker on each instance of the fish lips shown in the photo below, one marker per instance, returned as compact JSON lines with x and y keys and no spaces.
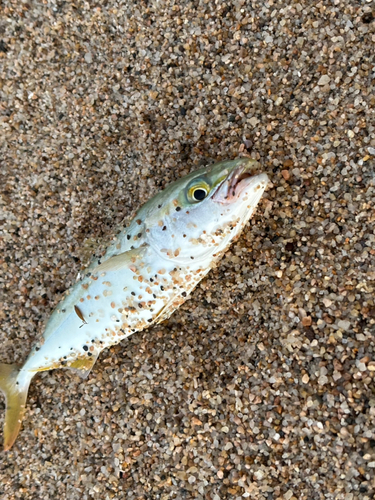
{"x":237,"y":182}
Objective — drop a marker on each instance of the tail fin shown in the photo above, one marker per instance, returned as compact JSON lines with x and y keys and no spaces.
{"x":15,"y":389}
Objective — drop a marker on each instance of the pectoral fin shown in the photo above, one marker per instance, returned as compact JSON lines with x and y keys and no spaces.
{"x":120,"y":261}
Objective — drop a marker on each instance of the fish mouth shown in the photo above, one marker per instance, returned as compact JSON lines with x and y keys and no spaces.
{"x":243,"y":176}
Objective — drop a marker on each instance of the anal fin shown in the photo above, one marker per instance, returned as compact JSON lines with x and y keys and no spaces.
{"x":84,"y":365}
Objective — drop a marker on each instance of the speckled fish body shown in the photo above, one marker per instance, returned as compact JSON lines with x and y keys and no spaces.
{"x":145,"y":274}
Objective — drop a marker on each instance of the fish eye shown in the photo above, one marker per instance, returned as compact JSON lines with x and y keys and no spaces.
{"x":198,"y":190}
{"x":199,"y":194}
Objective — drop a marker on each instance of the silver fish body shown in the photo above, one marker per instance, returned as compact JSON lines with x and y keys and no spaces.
{"x":145,"y":274}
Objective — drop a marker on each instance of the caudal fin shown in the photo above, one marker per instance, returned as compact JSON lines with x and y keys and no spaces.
{"x":15,"y":389}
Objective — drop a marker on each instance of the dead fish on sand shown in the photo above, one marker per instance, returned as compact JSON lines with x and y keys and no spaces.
{"x":144,"y":275}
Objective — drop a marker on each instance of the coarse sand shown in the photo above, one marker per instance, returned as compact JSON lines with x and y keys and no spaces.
{"x":262,"y":385}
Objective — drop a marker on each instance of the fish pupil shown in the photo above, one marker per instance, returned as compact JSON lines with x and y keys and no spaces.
{"x":199,"y":194}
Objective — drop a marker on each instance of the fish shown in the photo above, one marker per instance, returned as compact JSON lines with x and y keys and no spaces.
{"x":148,"y":270}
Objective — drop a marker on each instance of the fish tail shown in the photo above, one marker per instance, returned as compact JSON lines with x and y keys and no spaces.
{"x":14,"y":383}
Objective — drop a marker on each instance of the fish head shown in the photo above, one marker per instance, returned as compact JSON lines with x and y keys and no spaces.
{"x":198,"y":216}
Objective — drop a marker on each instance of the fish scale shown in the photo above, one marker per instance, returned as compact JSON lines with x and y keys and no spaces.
{"x":147,"y":272}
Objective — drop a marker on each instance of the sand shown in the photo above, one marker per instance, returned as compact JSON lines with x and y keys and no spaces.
{"x":262,"y":385}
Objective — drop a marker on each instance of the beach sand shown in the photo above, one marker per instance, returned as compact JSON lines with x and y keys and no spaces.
{"x":261,"y":386}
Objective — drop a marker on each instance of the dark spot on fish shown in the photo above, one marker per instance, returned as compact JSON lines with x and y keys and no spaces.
{"x":162,"y":288}
{"x":139,"y":222}
{"x":122,"y":331}
{"x":37,"y":348}
{"x":178,"y":209}
{"x":64,"y":357}
{"x":159,"y":206}
{"x":151,"y":279}
{"x":63,"y":363}
{"x":184,"y":294}
{"x":63,"y":310}
{"x":164,"y":228}
{"x":149,"y":320}
{"x":133,"y":329}
{"x":139,"y":235}
{"x":89,"y":354}
{"x":128,"y":236}
{"x":140,"y":305}
{"x":85,"y":348}
{"x":184,"y":235}
{"x":192,"y":257}
{"x":154,"y":296}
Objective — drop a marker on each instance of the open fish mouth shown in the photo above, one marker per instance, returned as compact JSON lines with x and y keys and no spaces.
{"x":241,"y":178}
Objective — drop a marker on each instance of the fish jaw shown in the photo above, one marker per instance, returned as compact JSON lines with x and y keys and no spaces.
{"x":240,"y":180}
{"x":244,"y":195}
